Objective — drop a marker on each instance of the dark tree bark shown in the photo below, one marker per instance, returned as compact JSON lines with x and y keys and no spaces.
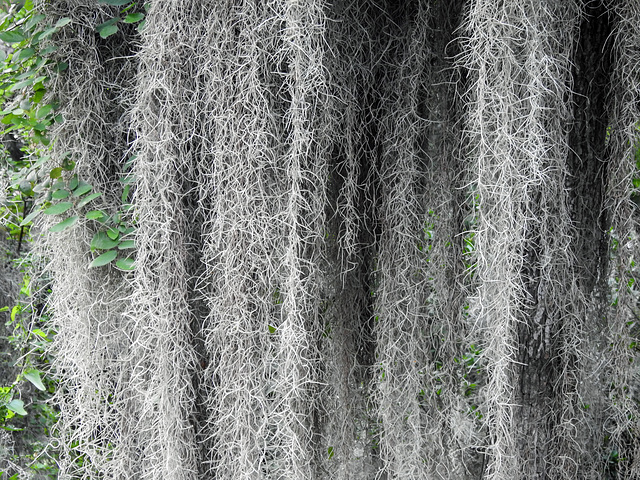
{"x":553,"y":337}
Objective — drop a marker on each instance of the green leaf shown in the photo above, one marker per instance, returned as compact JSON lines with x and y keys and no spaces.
{"x":38,"y":17}
{"x":96,"y":215}
{"x":113,"y":234}
{"x":125,"y":264}
{"x":108,"y":31}
{"x":29,"y":218}
{"x":7,"y":119}
{"x":58,"y":184}
{"x":103,"y":259}
{"x":44,"y":111}
{"x":12,"y":36}
{"x":39,"y":126}
{"x":60,"y":194}
{"x":41,"y":139}
{"x":141,"y":26}
{"x":101,"y":241}
{"x":88,"y":199}
{"x":126,"y":244}
{"x":37,"y":97}
{"x":69,"y":165}
{"x":129,"y":162}
{"x":14,"y":311}
{"x":9,"y":428}
{"x":34,"y":20}
{"x":111,"y":21}
{"x":49,"y":50}
{"x":40,"y":161}
{"x":133,"y":17}
{"x":56,"y":172}
{"x":47,"y":33}
{"x":17,"y":406}
{"x":39,"y":64}
{"x":117,"y":3}
{"x":27,"y":74}
{"x":125,"y":193}
{"x":33,"y":376}
{"x":40,"y":333}
{"x":81,"y":189}
{"x":61,"y":67}
{"x":108,"y":28}
{"x":272,"y":329}
{"x":25,"y":186}
{"x":19,"y":85}
{"x":57,"y":209}
{"x":330,"y":452}
{"x":25,"y":53}
{"x":62,"y":22}
{"x":63,"y":225}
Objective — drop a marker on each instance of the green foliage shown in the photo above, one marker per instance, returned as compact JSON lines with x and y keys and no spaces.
{"x":110,"y":27}
{"x":112,"y":239}
{"x":36,"y":187}
{"x":104,"y":258}
{"x":25,"y":115}
{"x":39,"y":187}
{"x":24,"y":407}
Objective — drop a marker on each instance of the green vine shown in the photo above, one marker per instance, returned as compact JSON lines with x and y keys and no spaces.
{"x":35,"y":187}
{"x":110,"y":27}
{"x":54,"y":191}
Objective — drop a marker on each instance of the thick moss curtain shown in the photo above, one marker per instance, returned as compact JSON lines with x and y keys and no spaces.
{"x":374,"y":240}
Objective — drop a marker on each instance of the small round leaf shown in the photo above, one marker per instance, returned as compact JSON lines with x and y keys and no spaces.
{"x":108,"y":30}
